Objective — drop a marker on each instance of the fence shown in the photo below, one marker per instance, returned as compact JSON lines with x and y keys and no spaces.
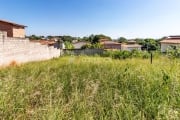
{"x":83,"y":51}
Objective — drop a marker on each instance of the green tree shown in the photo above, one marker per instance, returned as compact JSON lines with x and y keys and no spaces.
{"x":68,"y":45}
{"x":34,"y":37}
{"x":67,"y":38}
{"x":151,"y":44}
{"x":122,"y":40}
{"x":49,"y":37}
{"x":140,"y":41}
{"x":96,"y":39}
{"x":92,"y":46}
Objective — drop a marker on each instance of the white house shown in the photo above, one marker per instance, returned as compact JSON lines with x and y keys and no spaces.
{"x":171,"y":41}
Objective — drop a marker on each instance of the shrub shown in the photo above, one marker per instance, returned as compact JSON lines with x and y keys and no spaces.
{"x":129,"y":54}
{"x":173,"y":52}
{"x":68,"y":45}
{"x":92,"y":46}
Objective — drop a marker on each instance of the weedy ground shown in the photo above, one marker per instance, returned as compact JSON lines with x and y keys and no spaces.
{"x":86,"y":88}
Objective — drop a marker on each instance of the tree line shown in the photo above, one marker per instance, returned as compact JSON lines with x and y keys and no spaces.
{"x":94,"y":40}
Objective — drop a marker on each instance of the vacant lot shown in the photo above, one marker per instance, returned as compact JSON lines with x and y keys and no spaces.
{"x":91,"y":88}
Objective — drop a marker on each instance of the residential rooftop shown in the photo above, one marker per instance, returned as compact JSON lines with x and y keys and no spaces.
{"x":14,"y":24}
{"x":172,"y":39}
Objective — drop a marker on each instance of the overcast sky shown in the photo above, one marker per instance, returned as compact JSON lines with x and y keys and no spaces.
{"x":115,"y":18}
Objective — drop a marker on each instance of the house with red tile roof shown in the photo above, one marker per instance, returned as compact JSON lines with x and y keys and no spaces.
{"x":171,"y":41}
{"x":110,"y":44}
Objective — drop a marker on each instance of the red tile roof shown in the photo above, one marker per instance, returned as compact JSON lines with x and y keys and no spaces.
{"x":131,"y":45}
{"x":171,"y":41}
{"x":110,"y":42}
{"x":44,"y":42}
{"x":14,"y":24}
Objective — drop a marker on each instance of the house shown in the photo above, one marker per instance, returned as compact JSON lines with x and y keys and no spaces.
{"x":130,"y":47}
{"x":110,"y":44}
{"x":78,"y":45}
{"x":171,"y":41}
{"x":12,"y":29}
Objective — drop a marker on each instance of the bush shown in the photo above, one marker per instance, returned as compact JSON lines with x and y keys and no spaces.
{"x":92,"y":46}
{"x":68,"y":45}
{"x":173,"y":52}
{"x":128,"y":54}
{"x":121,"y":55}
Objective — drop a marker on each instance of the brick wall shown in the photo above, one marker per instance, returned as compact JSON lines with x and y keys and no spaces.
{"x":22,"y":50}
{"x":6,"y":27}
{"x":3,"y":35}
{"x":18,"y":32}
{"x":12,"y":31}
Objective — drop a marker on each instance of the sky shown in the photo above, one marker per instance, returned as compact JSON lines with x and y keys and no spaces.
{"x":114,"y":18}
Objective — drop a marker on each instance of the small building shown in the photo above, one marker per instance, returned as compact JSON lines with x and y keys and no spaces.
{"x":12,"y":29}
{"x":110,"y":44}
{"x":171,"y":41}
{"x":78,"y":45}
{"x":131,"y":41}
{"x":130,"y":47}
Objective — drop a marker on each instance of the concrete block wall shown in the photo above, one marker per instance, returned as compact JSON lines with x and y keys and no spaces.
{"x":3,"y":34}
{"x":83,"y":51}
{"x":18,"y":32}
{"x":22,"y":50}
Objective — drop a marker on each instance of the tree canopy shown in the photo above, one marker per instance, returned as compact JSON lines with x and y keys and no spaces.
{"x":97,"y":38}
{"x":122,"y":40}
{"x":149,"y":43}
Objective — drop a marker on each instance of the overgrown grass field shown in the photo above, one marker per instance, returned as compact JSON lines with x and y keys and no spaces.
{"x":87,"y":88}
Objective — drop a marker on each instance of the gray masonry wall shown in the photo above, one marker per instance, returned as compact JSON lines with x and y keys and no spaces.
{"x":83,"y":51}
{"x":22,"y":50}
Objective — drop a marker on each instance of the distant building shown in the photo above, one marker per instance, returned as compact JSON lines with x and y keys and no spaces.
{"x":132,"y":41}
{"x":12,"y":29}
{"x":110,"y":44}
{"x":78,"y":45}
{"x":171,"y":41}
{"x":130,"y":47}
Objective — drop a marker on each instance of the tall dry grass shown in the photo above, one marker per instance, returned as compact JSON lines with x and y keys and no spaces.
{"x":91,"y":88}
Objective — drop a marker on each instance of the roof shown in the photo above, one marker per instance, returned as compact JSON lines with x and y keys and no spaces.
{"x":104,"y":39}
{"x":44,"y":42}
{"x":131,"y":45}
{"x":110,"y":43}
{"x":131,"y":41}
{"x":81,"y":42}
{"x":14,"y":24}
{"x":171,"y":41}
{"x":174,"y":36}
{"x":78,"y":45}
